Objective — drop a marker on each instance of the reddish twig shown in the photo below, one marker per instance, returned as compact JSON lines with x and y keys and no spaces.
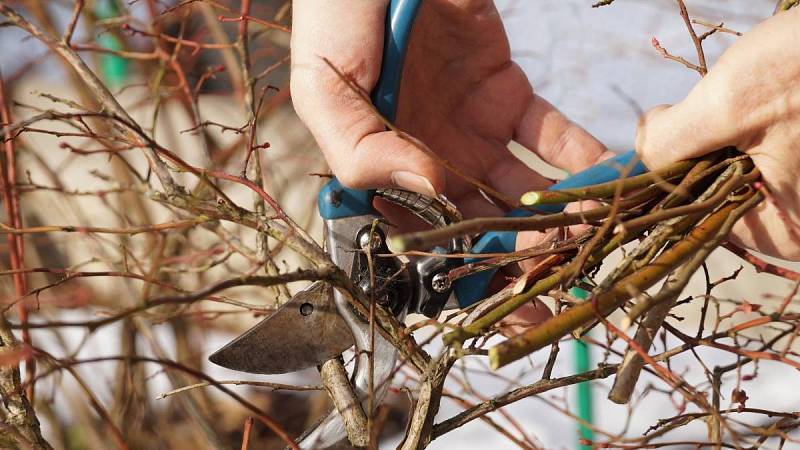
{"x":16,"y":243}
{"x":246,"y":18}
{"x":761,"y":265}
{"x":262,"y":417}
{"x":702,"y":67}
{"x":248,"y":426}
{"x":196,"y":46}
{"x":719,"y":27}
{"x":665,"y":54}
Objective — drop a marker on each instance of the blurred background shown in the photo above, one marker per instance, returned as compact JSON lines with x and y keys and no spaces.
{"x":596,"y":64}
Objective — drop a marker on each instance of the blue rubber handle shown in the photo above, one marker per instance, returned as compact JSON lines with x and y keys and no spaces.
{"x":399,"y":23}
{"x":474,"y":287}
{"x":336,"y":201}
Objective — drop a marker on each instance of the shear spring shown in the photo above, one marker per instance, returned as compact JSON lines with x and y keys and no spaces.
{"x":437,"y":212}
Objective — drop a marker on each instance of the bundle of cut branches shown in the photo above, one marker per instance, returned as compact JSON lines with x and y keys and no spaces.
{"x":674,"y":217}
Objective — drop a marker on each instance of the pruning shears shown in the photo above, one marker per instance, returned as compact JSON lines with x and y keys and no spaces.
{"x":318,"y":323}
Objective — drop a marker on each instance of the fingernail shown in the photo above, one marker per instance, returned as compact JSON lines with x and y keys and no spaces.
{"x":413,"y":182}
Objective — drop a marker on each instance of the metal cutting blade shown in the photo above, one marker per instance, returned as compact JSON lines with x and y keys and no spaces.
{"x":302,"y":333}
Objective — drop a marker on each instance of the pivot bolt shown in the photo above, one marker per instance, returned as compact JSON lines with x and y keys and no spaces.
{"x":368,"y":239}
{"x":441,"y":282}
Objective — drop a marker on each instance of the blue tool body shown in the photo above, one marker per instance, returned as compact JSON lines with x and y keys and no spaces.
{"x":399,"y":23}
{"x":337,"y":202}
{"x":472,"y":288}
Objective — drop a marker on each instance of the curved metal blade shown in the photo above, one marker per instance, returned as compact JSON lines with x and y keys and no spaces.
{"x":383,"y":353}
{"x":305,"y":332}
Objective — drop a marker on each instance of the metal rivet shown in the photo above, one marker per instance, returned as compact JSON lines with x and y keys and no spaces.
{"x":306,"y":309}
{"x":440,"y":282}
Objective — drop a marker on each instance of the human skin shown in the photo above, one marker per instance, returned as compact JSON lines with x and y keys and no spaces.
{"x":750,"y":99}
{"x":462,"y":99}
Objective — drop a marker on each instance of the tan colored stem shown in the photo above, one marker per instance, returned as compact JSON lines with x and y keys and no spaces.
{"x":429,"y":238}
{"x":336,"y":382}
{"x":658,"y":307}
{"x":606,"y":190}
{"x":632,"y":364}
{"x":420,"y":427}
{"x":606,"y":302}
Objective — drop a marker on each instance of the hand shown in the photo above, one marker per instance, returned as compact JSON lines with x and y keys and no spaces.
{"x":751,"y":100}
{"x":461,"y":96}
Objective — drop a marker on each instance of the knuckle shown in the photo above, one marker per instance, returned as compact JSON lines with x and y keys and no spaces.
{"x":575,"y":149}
{"x":302,"y":87}
{"x":648,"y":135}
{"x":349,"y":174}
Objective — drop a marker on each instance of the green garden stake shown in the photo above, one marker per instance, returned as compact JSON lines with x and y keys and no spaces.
{"x":582,"y":364}
{"x":114,"y":68}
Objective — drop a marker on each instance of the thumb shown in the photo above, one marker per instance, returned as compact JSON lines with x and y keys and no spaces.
{"x":384,"y":158}
{"x":354,"y":140}
{"x":689,"y":129}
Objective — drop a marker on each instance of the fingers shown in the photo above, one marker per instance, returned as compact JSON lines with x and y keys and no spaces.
{"x":382,"y":158}
{"x":556,"y":139}
{"x":526,"y":316}
{"x":349,"y":33}
{"x":528,"y":239}
{"x":513,"y":177}
{"x":472,"y":6}
{"x":536,"y":312}
{"x":740,"y":97}
{"x":768,"y":230}
{"x":730,"y":106}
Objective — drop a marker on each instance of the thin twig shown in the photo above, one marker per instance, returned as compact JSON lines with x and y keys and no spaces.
{"x":266,"y":384}
{"x":702,"y":67}
{"x":248,"y":426}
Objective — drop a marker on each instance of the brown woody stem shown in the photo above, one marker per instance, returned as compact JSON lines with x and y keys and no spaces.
{"x":606,"y":302}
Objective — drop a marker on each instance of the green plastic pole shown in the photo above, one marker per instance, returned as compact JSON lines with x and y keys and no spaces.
{"x":113,"y":68}
{"x":583,"y":362}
